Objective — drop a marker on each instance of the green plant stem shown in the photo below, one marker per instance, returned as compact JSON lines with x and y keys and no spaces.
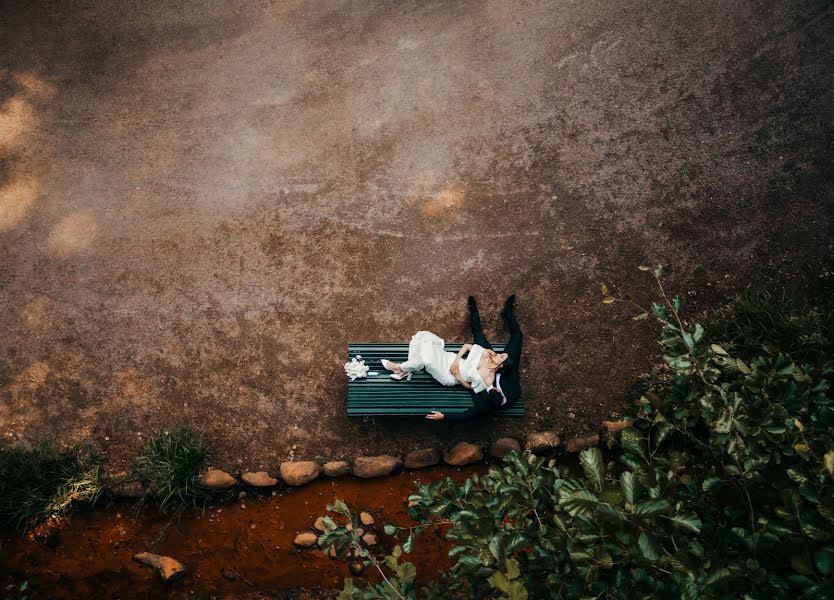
{"x":356,"y":546}
{"x":669,"y":304}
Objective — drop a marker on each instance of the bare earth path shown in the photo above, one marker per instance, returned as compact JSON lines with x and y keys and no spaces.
{"x":201,"y":205}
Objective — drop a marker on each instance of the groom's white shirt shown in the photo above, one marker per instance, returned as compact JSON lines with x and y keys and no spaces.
{"x":497,"y":386}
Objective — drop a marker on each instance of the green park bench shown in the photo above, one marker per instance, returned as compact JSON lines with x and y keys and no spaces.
{"x":379,"y":395}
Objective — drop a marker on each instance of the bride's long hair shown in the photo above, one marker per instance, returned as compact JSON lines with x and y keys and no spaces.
{"x":507,"y":365}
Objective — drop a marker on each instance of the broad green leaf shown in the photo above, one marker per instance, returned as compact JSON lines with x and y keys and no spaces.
{"x":815,"y":533}
{"x":826,"y":509}
{"x":608,"y":300}
{"x":407,"y":572}
{"x":711,"y":483}
{"x":495,"y":547}
{"x":698,"y":332}
{"x":641,"y":317}
{"x":688,"y":521}
{"x":340,"y":507}
{"x":408,"y":544}
{"x":329,"y":524}
{"x":499,"y":582}
{"x":823,"y":561}
{"x":591,"y":461}
{"x":661,"y":432}
{"x":649,"y":546}
{"x":604,"y":289}
{"x":517,"y":591}
{"x":746,"y":537}
{"x":397,"y":551}
{"x":627,"y":485}
{"x":390,"y":529}
{"x":796,"y":476}
{"x":650,"y":508}
{"x":718,"y":350}
{"x":718,"y":575}
{"x":644,"y":268}
{"x":632,"y":441}
{"x":513,"y":572}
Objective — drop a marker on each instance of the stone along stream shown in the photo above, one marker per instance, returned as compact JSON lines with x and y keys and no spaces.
{"x":230,"y":549}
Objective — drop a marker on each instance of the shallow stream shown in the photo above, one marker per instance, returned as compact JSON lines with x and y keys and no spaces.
{"x":250,"y":539}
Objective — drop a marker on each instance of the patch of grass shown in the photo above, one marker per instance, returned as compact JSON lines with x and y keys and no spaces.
{"x":37,"y":484}
{"x":170,"y":463}
{"x":777,"y":322}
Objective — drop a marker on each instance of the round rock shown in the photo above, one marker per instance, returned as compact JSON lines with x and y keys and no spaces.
{"x":216,"y":479}
{"x":463,"y":453}
{"x":305,"y":540}
{"x":299,"y":473}
{"x":419,"y":459}
{"x":541,"y":441}
{"x":615,"y":427}
{"x":259,"y":479}
{"x":376,"y":466}
{"x":366,"y":518}
{"x":578,"y":444}
{"x":336,"y":468}
{"x":503,"y":446}
{"x":369,"y":539}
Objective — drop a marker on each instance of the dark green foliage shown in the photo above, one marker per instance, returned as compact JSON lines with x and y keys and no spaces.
{"x":170,"y":463}
{"x":779,"y":323}
{"x":45,"y":482}
{"x":754,"y":429}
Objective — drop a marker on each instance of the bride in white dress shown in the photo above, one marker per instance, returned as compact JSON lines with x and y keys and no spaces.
{"x":427,"y":351}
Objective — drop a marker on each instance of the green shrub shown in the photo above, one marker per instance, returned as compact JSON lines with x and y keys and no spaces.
{"x":722,"y":488}
{"x":44,"y":482}
{"x":170,"y":464}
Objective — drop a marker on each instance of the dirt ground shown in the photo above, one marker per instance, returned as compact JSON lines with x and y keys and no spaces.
{"x":201,"y":203}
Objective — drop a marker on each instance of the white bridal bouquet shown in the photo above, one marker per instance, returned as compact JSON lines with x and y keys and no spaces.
{"x":356,"y":368}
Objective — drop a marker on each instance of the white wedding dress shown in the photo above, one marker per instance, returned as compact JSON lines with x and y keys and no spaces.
{"x":427,"y":351}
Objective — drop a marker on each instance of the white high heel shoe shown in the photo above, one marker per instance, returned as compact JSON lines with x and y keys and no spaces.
{"x":396,"y":373}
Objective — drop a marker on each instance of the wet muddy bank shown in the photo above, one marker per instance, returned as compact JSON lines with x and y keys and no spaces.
{"x":250,"y":540}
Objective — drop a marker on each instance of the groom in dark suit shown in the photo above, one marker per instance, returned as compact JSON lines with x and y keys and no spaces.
{"x":507,"y":386}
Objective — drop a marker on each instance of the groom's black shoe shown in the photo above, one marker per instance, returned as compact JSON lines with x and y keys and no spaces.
{"x":470,"y":302}
{"x":509,"y":305}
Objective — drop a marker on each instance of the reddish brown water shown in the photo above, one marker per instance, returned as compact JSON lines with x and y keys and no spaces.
{"x":251,"y":537}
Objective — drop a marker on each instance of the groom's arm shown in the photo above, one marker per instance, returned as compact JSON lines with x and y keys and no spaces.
{"x":480,"y":407}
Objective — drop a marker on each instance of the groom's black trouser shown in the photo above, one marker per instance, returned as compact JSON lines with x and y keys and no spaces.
{"x":510,"y":383}
{"x":513,"y":347}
